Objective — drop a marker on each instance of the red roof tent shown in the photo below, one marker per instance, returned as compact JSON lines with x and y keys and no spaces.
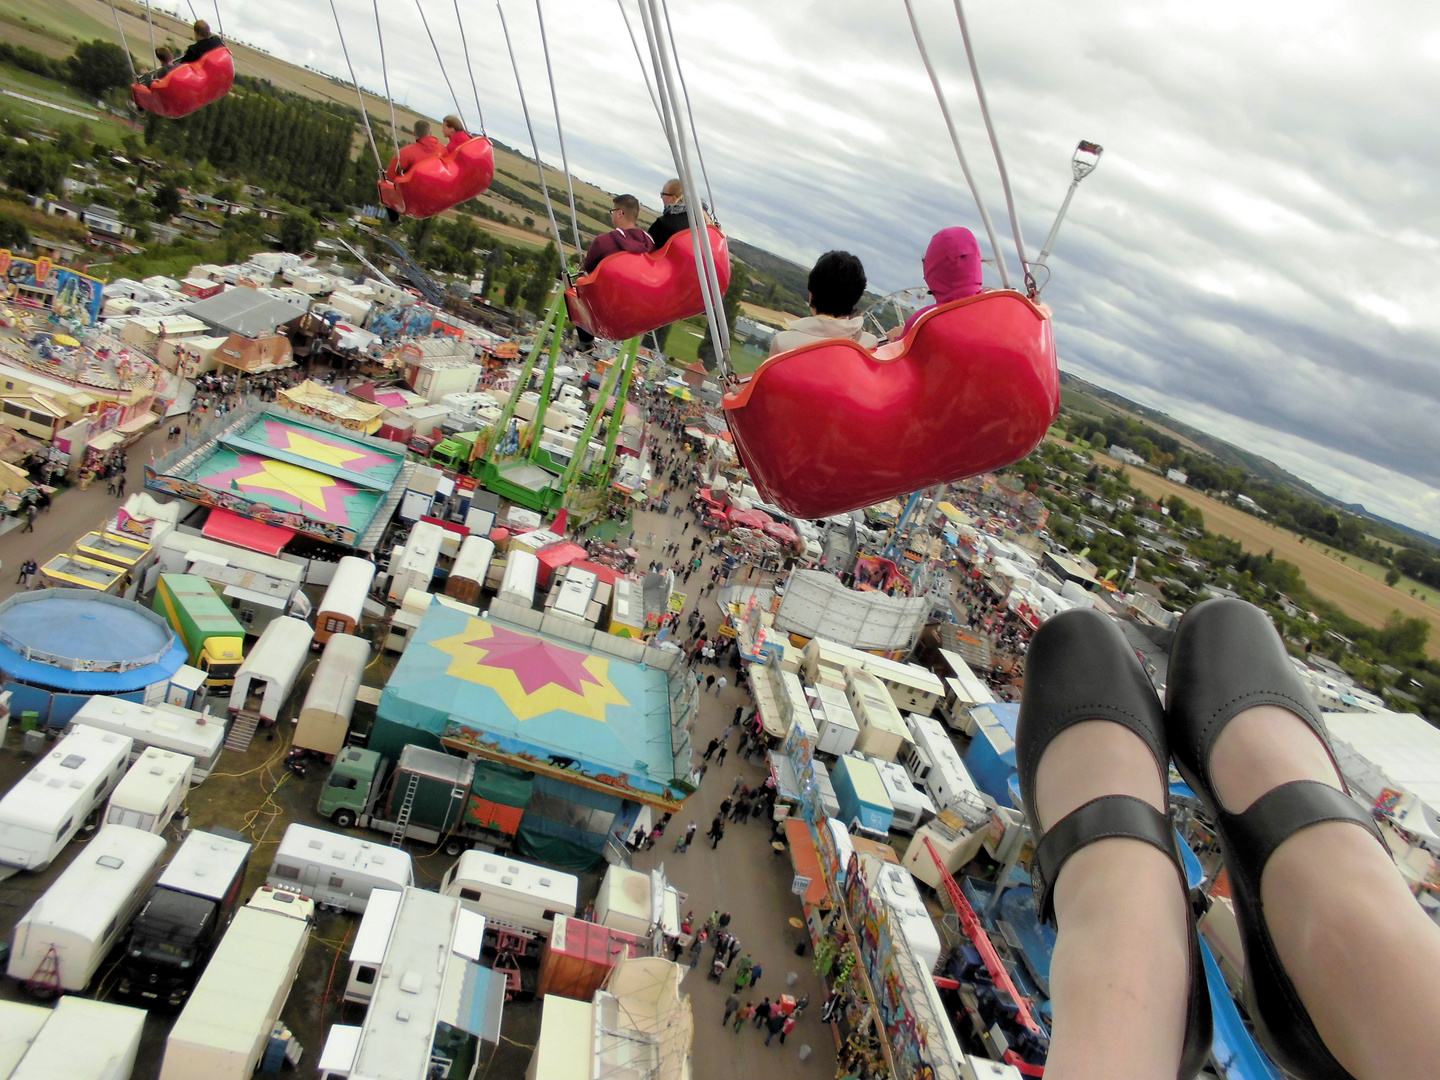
{"x":556,"y":556}
{"x":781,"y":532}
{"x":232,"y":528}
{"x":755,"y":519}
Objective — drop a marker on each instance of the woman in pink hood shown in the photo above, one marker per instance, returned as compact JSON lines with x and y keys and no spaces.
{"x":952,"y":269}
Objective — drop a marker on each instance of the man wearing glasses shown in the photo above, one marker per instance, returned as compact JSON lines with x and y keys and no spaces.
{"x":625,"y":236}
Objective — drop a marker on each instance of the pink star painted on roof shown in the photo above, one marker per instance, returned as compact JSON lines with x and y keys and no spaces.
{"x":535,"y":662}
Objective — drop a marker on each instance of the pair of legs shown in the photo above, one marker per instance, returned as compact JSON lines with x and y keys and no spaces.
{"x":1364,"y":958}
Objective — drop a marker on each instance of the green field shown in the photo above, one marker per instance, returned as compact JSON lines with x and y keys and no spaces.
{"x":103,"y":128}
{"x":59,"y":22}
{"x":1423,"y":593}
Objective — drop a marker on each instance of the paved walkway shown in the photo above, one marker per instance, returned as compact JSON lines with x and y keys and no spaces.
{"x":742,"y":876}
{"x":73,"y":513}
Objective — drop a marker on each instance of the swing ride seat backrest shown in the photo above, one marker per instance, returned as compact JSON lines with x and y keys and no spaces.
{"x":630,"y":294}
{"x":187,"y":87}
{"x":832,"y":427}
{"x":442,"y":181}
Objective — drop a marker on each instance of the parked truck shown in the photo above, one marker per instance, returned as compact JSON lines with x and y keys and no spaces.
{"x":864,"y":806}
{"x":183,"y":918}
{"x":212,"y":634}
{"x":444,"y":803}
{"x":227,"y":1022}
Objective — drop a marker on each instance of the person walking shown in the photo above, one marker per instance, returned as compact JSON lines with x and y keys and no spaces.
{"x":755,"y":973}
{"x":710,"y":750}
{"x":732,"y":1006}
{"x":787,"y":1027}
{"x":746,"y":964}
{"x":709,"y":681}
{"x":744,"y":1013}
{"x":720,"y":760}
{"x":776,"y":1024}
{"x":724,"y":921}
{"x":742,"y":979}
{"x":29,"y":519}
{"x":716,"y":833}
{"x":120,"y":486}
{"x":761,"y":1011}
{"x":719,"y":683}
{"x":683,"y":844}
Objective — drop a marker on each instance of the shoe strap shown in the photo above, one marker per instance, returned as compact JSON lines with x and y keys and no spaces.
{"x":1279,"y":814}
{"x":1110,"y":816}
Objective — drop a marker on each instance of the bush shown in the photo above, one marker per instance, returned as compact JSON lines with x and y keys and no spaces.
{"x":98,"y":66}
{"x":13,"y":233}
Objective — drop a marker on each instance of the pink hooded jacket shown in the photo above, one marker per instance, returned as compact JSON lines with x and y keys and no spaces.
{"x":952,"y":267}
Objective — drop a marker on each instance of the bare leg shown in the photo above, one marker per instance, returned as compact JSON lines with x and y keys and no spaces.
{"x":1118,"y":979}
{"x":1364,"y":958}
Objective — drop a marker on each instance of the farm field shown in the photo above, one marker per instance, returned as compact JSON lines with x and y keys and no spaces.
{"x":1359,"y":595}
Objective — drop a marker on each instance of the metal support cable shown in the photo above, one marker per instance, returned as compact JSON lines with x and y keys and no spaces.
{"x":534,"y":146}
{"x":219,"y":22}
{"x":704,"y":257}
{"x":685,"y":92}
{"x":644,"y":71}
{"x":464,"y":45}
{"x":995,"y":146}
{"x":364,"y":116}
{"x":385,"y":74}
{"x":124,"y":45}
{"x":440,"y":60}
{"x":559,"y":128}
{"x":955,"y":141}
{"x":150,"y":25}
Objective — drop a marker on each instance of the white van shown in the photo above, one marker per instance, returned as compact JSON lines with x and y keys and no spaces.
{"x":152,"y":792}
{"x":170,"y":727}
{"x":40,"y":814}
{"x":511,"y":893}
{"x":335,"y":870}
{"x":87,"y":908}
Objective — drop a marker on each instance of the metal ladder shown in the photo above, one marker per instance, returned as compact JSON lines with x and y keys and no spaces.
{"x":402,"y":819}
{"x":45,"y":982}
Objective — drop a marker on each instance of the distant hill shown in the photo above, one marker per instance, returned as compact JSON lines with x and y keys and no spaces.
{"x":1222,"y":451}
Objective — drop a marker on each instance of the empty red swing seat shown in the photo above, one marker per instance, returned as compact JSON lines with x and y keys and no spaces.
{"x":629,"y":294}
{"x":832,"y":427}
{"x":443,"y":181}
{"x":187,"y":87}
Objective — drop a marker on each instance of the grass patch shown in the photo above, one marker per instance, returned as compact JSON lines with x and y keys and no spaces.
{"x":1408,"y":586}
{"x":682,"y":345}
{"x":746,"y":358}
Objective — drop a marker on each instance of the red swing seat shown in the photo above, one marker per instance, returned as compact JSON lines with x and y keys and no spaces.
{"x":630,"y":294}
{"x":187,"y":87}
{"x":442,"y":181}
{"x":832,"y":427}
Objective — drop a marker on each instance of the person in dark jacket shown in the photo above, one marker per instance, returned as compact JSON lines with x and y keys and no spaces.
{"x":626,"y":236}
{"x":205,"y":41}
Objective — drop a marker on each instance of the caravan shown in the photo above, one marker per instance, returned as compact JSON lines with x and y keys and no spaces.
{"x":87,"y":908}
{"x":199,"y":736}
{"x":41,"y":813}
{"x":963,"y":691}
{"x":935,"y":764}
{"x":268,"y":674}
{"x":344,"y":600}
{"x":152,"y":792}
{"x":324,"y":720}
{"x":512,"y":893}
{"x":335,"y":870}
{"x":521,"y":571}
{"x":413,"y":566}
{"x":467,"y":576}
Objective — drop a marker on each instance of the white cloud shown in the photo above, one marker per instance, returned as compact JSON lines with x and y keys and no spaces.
{"x":1256,"y":251}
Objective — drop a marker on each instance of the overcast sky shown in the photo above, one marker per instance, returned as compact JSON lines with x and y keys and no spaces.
{"x":1256,"y":254}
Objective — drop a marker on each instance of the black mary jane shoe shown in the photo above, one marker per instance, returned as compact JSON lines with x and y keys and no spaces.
{"x":1080,"y":667}
{"x":1227,"y":657}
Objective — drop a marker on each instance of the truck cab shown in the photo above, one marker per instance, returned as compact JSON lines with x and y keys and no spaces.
{"x":220,"y":659}
{"x":350,"y":791}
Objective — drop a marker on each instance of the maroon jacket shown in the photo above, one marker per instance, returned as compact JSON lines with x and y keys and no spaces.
{"x":633,"y":239}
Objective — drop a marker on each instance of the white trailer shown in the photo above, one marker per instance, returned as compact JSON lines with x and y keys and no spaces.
{"x":152,"y":792}
{"x":522,"y":570}
{"x":199,"y":736}
{"x":415,"y":567}
{"x":573,"y":595}
{"x":19,"y":1025}
{"x":910,"y":803}
{"x":335,"y":870}
{"x":324,"y":718}
{"x":467,"y":576}
{"x":186,"y":552}
{"x":84,"y":1040}
{"x":637,"y":903}
{"x":87,"y":908}
{"x":226,"y":1024}
{"x":511,"y":893}
{"x":41,"y":813}
{"x":963,"y":691}
{"x":935,"y":764}
{"x":268,"y":674}
{"x":344,"y":600}
{"x":414,"y":962}
{"x":838,"y":729}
